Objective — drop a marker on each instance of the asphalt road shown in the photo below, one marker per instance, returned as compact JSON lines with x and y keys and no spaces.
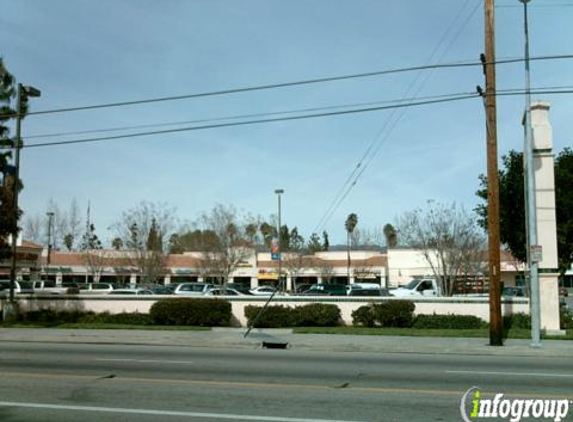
{"x":41,"y":382}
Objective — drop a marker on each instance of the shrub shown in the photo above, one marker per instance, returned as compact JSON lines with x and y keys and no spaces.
{"x":566,"y":317}
{"x":278,"y":316}
{"x":364,"y":316}
{"x":52,"y":317}
{"x":191,"y":311}
{"x":317,"y":315}
{"x":394,"y":313}
{"x":450,"y":321}
{"x":519,"y":320}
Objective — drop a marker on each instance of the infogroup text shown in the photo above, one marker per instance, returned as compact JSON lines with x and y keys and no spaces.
{"x":474,"y":407}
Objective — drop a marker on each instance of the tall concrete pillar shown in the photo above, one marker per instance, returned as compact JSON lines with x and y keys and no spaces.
{"x":543,"y":162}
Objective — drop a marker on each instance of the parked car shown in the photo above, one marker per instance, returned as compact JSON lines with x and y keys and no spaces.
{"x":20,"y":287}
{"x":241,"y":288}
{"x":263,"y":291}
{"x":367,"y":290}
{"x":301,"y":288}
{"x":563,"y":292}
{"x":219,"y":291}
{"x":95,"y":288}
{"x":161,"y":289}
{"x":326,"y":290}
{"x":48,"y":287}
{"x":513,"y":291}
{"x":136,"y":292}
{"x":193,"y":289}
{"x":417,"y":287}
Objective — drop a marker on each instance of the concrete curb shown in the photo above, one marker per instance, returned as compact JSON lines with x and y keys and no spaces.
{"x":234,"y":338}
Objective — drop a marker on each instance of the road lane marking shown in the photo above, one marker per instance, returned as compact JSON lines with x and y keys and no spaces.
{"x":513,"y":374}
{"x":172,"y":362}
{"x":262,"y":385}
{"x":201,"y":415}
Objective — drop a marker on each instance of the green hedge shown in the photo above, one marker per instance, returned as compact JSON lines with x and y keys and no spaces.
{"x":393,"y":313}
{"x":450,"y":321}
{"x":317,"y":315}
{"x":279,"y":316}
{"x":518,"y":320}
{"x":51,"y":317}
{"x":192,"y":311}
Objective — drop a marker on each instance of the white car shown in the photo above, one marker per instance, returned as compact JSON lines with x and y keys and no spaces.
{"x":219,"y":291}
{"x":262,"y":291}
{"x":193,"y":289}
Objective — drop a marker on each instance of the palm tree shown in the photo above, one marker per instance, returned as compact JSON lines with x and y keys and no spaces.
{"x":390,"y":235}
{"x":350,"y":224}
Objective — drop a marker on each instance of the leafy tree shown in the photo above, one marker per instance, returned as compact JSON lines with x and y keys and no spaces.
{"x":325,"y":241}
{"x":314,"y":244}
{"x":117,"y":243}
{"x":93,"y":256}
{"x":390,"y":235}
{"x":512,"y":205}
{"x":564,"y":207}
{"x":8,"y":221}
{"x":350,"y":224}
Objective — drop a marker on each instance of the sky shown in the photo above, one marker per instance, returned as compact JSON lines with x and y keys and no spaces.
{"x":88,"y":52}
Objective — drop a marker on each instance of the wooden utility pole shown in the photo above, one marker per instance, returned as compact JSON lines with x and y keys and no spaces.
{"x":496,"y":326}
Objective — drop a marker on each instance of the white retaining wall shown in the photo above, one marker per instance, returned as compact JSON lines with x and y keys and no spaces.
{"x":463,"y":306}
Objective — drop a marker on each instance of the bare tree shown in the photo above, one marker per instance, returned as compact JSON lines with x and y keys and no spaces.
{"x":226,"y":247}
{"x":73,"y":229}
{"x":59,"y":223}
{"x":449,"y":239}
{"x":33,"y":230}
{"x":145,"y":231}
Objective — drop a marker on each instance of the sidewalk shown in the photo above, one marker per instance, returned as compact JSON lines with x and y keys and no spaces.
{"x":234,"y":338}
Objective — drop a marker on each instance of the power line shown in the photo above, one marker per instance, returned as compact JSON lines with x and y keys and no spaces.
{"x":240,"y":116}
{"x":288,"y":84}
{"x":251,"y":122}
{"x":391,"y":123}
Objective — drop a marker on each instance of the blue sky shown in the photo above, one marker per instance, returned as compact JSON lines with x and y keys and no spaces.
{"x":84,"y":52}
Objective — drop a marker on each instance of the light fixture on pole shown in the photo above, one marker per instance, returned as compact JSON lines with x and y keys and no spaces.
{"x":531,"y":211}
{"x":279,"y":192}
{"x":23,"y":93}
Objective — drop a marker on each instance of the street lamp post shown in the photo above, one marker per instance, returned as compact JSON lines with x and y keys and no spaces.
{"x":279,"y":192}
{"x":50,"y":215}
{"x":23,"y":93}
{"x":531,"y":212}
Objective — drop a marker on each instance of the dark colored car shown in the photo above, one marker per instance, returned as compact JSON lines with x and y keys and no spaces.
{"x":160,"y":289}
{"x":369,"y":292}
{"x":241,"y":288}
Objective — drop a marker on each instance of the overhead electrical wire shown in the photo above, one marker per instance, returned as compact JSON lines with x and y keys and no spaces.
{"x":287,"y":84}
{"x":391,"y":122}
{"x":240,"y":116}
{"x":250,"y":122}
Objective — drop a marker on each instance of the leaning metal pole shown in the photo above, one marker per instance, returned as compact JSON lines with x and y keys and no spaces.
{"x":530,"y":196}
